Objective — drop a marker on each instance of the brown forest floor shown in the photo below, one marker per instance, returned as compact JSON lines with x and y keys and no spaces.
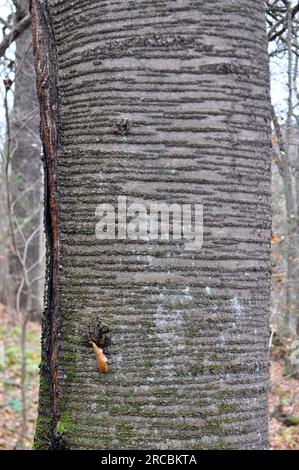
{"x":10,"y":378}
{"x":284,"y":396}
{"x":283,"y":402}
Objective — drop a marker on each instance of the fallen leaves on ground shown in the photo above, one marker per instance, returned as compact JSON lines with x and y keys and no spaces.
{"x":10,"y":379}
{"x":283,"y":402}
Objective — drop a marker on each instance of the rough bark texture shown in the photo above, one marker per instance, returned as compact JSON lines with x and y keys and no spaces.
{"x":159,"y":100}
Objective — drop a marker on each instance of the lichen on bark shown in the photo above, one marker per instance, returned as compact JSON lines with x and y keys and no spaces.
{"x":167,"y":103}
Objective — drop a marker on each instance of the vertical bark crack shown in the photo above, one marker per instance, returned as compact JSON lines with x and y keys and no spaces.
{"x":46,"y":80}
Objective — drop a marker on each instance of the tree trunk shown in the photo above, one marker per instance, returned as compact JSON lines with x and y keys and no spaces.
{"x":158,"y":101}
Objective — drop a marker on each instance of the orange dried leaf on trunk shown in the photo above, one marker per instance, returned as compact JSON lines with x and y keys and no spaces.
{"x":102,"y":360}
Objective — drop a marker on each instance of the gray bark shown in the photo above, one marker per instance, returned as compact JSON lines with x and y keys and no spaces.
{"x":159,"y":100}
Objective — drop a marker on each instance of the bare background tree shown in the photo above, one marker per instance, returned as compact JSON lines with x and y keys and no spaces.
{"x":22,"y":266}
{"x":282,"y":19}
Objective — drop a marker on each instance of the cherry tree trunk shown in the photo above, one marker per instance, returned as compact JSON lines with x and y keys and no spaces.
{"x":155,"y":100}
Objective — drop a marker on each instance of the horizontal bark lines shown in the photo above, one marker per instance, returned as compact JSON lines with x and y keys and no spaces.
{"x":188,"y":361}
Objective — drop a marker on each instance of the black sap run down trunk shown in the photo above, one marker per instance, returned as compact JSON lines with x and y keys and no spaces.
{"x":160,"y":101}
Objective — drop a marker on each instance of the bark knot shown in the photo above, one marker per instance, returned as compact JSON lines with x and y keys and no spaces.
{"x":122,"y":127}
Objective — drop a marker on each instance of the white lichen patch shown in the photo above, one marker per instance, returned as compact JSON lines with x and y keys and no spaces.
{"x":236,"y":306}
{"x":208,"y":291}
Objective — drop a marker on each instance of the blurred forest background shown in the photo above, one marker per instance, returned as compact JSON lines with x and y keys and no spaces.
{"x":22,"y":245}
